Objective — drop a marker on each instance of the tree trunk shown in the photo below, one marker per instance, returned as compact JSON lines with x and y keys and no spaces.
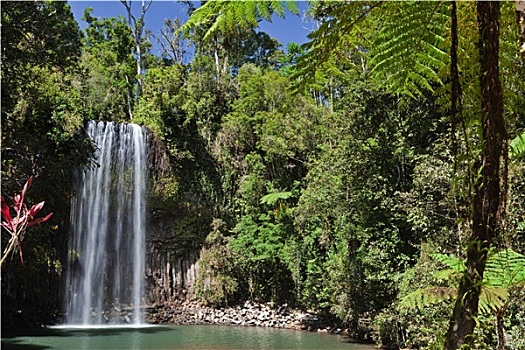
{"x":500,"y":328}
{"x":487,"y":206}
{"x":138,"y":52}
{"x":520,"y":16}
{"x":137,"y":29}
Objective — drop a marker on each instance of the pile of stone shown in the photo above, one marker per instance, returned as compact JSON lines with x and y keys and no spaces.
{"x":250,"y":314}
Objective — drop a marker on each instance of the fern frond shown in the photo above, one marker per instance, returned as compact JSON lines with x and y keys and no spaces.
{"x":263,"y":10}
{"x":272,"y":198}
{"x":338,"y":30}
{"x":517,"y":146}
{"x":504,"y":269}
{"x":456,"y":264}
{"x":445,"y":275}
{"x":492,"y":298}
{"x":421,"y":298}
{"x":223,"y":17}
{"x":409,"y":50}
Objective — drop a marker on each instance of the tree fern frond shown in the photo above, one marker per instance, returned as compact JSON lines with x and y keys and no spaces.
{"x":338,"y":26}
{"x":291,"y":5}
{"x":274,"y":197}
{"x":517,"y":146}
{"x":409,"y":48}
{"x":224,"y":17}
{"x":456,"y":264}
{"x":445,"y":275}
{"x":421,"y":298}
{"x":492,"y":298}
{"x":278,"y":7}
{"x":504,"y":269}
{"x":263,"y":10}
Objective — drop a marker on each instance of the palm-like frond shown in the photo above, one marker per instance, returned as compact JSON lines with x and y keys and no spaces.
{"x":337,"y":30}
{"x":455,"y":264}
{"x":409,"y":51}
{"x":504,"y":269}
{"x":492,"y":298}
{"x":421,"y":298}
{"x":517,"y":146}
{"x":274,"y":197}
{"x":224,"y":17}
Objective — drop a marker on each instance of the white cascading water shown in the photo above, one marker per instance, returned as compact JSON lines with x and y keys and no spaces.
{"x":105,"y":279}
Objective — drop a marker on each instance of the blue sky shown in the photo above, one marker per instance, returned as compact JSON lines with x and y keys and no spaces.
{"x":292,"y":28}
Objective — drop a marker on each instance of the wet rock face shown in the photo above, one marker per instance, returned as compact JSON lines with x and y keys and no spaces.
{"x":250,"y":314}
{"x":169,"y":278}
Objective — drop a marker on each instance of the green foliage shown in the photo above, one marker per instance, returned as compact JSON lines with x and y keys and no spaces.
{"x":504,"y":269}
{"x":226,"y":17}
{"x":42,"y":122}
{"x":159,"y":106}
{"x":216,"y":284}
{"x":274,"y":197}
{"x":261,"y":256}
{"x":409,"y":50}
{"x":109,"y":67}
{"x":517,"y":146}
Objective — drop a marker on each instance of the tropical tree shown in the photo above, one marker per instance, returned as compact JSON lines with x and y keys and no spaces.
{"x":137,"y":29}
{"x":504,"y":270}
{"x":413,"y":72}
{"x":42,"y":120}
{"x":426,"y":56}
{"x":108,"y":62}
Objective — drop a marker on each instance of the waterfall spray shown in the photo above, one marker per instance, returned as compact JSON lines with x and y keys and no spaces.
{"x":105,"y":276}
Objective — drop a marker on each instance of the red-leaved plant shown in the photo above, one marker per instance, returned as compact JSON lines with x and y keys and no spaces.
{"x":17,"y":225}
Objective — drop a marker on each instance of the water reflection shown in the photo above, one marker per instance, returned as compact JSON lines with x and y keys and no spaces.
{"x":174,"y":337}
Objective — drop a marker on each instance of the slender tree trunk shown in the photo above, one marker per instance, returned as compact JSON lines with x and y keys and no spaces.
{"x":129,"y":95}
{"x":138,"y":52}
{"x":520,"y":16}
{"x":500,"y":328}
{"x":487,"y":206}
{"x":137,"y":29}
{"x":455,"y":94}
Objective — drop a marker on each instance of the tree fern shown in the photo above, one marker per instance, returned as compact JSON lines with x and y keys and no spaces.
{"x":274,"y":197}
{"x":504,"y":269}
{"x":425,"y":297}
{"x":336,"y":36}
{"x":225,"y":17}
{"x":409,"y":50}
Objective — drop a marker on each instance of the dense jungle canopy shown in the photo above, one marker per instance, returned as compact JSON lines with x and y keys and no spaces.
{"x":375,"y":174}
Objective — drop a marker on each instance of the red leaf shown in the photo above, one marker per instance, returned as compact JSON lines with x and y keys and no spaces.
{"x":26,"y":187}
{"x":6,"y":213}
{"x":35,"y":209}
{"x":7,"y":227}
{"x":39,"y":220}
{"x":17,"y":203}
{"x":19,"y":199}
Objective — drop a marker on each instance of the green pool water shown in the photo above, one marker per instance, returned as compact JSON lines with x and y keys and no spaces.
{"x":174,"y":337}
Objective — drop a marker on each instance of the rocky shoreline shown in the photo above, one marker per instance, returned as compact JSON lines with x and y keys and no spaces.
{"x":193,"y":313}
{"x":250,"y":314}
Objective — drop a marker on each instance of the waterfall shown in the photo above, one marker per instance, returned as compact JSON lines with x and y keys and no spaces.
{"x":106,"y":268}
